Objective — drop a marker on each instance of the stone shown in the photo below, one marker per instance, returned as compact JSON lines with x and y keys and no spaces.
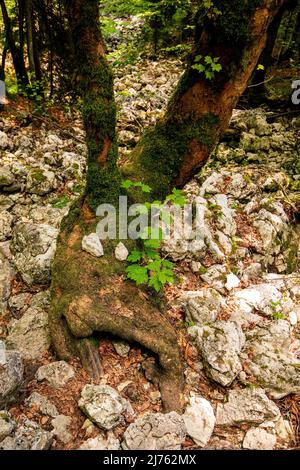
{"x":18,"y":303}
{"x":273,"y":362}
{"x":155,"y":431}
{"x":92,"y":245}
{"x":30,"y":335}
{"x":284,"y":430}
{"x":57,"y":374}
{"x":122,"y":348}
{"x":33,"y":247}
{"x":60,"y":424}
{"x":259,"y":439}
{"x":260,"y":297}
{"x":202,"y":306}
{"x":249,"y":405}
{"x":7,"y":425}
{"x":6,"y":177}
{"x":220,"y":345}
{"x":100,"y":443}
{"x":40,"y":181}
{"x":35,"y":400}
{"x":232,"y":282}
{"x":4,"y":140}
{"x":28,"y":436}
{"x":104,"y":406}
{"x":11,"y":374}
{"x":215,"y":277}
{"x":199,"y":420}
{"x":6,"y":276}
{"x":121,"y":252}
{"x":6,"y":220}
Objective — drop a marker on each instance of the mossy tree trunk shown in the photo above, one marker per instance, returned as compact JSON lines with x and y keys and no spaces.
{"x":90,"y":295}
{"x":200,"y":109}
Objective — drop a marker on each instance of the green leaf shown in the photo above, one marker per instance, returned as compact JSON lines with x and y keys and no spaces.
{"x":216,"y":67}
{"x":155,"y":265}
{"x":127,"y":184}
{"x":167,"y":264}
{"x":135,"y":256}
{"x":152,"y":244}
{"x":260,"y":67}
{"x":208,"y":59}
{"x":155,"y":283}
{"x":137,"y":273}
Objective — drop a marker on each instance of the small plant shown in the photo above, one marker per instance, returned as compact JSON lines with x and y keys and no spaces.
{"x":277,"y":313}
{"x":61,"y":202}
{"x":186,"y":324}
{"x":207,"y":65}
{"x":146,"y":266}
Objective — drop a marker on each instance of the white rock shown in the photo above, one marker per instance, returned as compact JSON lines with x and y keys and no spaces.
{"x":56,"y":374}
{"x":121,"y":252}
{"x":4,"y":141}
{"x":247,"y":406}
{"x":155,"y":431}
{"x":232,"y":281}
{"x":60,"y":424}
{"x":104,"y":406}
{"x":199,"y":420}
{"x":293,"y":318}
{"x":91,"y":243}
{"x":259,"y":439}
{"x":100,"y":443}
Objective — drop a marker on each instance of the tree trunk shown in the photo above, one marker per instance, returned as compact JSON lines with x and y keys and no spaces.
{"x":89,"y":294}
{"x":16,"y":52}
{"x":33,"y":56}
{"x":200,"y":109}
{"x":257,"y":90}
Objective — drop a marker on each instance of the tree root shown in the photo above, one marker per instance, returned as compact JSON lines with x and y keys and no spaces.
{"x":91,"y":295}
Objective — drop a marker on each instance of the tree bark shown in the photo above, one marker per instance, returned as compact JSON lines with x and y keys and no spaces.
{"x":200,"y":109}
{"x":16,"y":52}
{"x":33,"y":55}
{"x":90,"y":294}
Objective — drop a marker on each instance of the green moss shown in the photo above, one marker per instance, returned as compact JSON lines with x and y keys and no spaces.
{"x":158,"y":158}
{"x":232,"y":26}
{"x":38,"y":176}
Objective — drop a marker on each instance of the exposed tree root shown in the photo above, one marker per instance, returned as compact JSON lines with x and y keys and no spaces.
{"x":91,"y":295}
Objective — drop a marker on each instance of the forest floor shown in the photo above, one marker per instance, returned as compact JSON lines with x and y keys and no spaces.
{"x":236,"y":305}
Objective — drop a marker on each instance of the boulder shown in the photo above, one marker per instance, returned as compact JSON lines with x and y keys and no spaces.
{"x":155,"y":431}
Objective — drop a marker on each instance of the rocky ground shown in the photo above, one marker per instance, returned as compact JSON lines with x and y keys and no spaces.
{"x":236,"y":306}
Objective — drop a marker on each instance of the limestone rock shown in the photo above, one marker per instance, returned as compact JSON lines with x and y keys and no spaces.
{"x":220,"y":345}
{"x":202,"y":306}
{"x":28,"y":436}
{"x":11,"y":374}
{"x":121,"y":252}
{"x":57,"y":374}
{"x":199,"y":420}
{"x":33,"y":247}
{"x":7,"y":425}
{"x":104,"y":406}
{"x":100,"y":443}
{"x":30,"y":335}
{"x":92,"y":245}
{"x":259,"y":439}
{"x":155,"y":431}
{"x":246,"y":406}
{"x":60,"y":424}
{"x":44,"y":406}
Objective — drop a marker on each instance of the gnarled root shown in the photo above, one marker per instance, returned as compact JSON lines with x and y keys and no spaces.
{"x":90,"y":295}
